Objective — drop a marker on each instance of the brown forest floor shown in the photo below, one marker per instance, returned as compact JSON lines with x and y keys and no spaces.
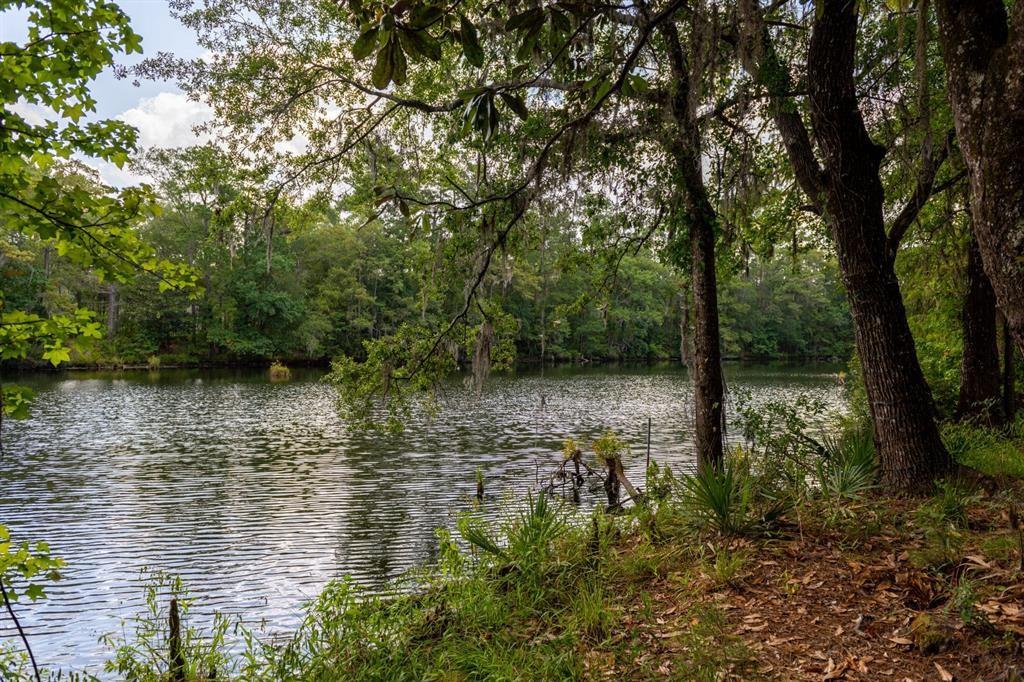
{"x":866,"y":596}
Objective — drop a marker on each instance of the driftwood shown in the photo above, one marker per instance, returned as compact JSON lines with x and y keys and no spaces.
{"x":613,"y":481}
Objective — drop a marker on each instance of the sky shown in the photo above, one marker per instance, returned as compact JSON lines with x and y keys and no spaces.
{"x":161,"y":112}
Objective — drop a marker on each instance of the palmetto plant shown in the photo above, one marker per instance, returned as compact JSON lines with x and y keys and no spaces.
{"x":730,"y":500}
{"x":847,"y":469}
{"x":528,"y":535}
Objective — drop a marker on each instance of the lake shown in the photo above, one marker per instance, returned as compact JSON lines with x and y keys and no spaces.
{"x":257,"y":494}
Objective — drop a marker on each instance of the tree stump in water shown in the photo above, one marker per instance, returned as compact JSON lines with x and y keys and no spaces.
{"x":177,"y":658}
{"x":612,"y":486}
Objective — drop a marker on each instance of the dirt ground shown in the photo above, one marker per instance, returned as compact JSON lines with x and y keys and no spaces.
{"x":846,"y":604}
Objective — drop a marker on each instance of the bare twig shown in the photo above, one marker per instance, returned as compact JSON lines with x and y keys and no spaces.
{"x":21,"y":631}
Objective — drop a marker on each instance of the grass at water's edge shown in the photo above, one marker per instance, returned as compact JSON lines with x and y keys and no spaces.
{"x":769,"y":570}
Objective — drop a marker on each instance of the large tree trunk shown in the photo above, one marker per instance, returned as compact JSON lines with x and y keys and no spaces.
{"x":700,"y":220}
{"x":708,"y":386}
{"x":847,"y":192}
{"x":983,"y":50}
{"x":1009,"y":377}
{"x":910,"y":452}
{"x":979,"y":371}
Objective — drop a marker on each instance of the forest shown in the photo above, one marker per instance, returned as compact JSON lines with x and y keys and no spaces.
{"x":403,"y":192}
{"x":324,"y":279}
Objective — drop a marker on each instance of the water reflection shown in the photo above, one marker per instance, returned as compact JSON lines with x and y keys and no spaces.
{"x":257,"y":495}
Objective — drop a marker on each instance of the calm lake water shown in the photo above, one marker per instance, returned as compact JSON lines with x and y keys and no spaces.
{"x":257,"y":495}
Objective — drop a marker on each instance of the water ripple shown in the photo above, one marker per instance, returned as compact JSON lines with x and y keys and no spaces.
{"x":256,"y":494}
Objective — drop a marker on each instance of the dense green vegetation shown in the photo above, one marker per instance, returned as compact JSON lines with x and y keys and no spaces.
{"x":311,"y":282}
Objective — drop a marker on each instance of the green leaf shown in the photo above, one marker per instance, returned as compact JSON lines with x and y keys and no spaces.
{"x":471,"y":48}
{"x":422,"y":43}
{"x":560,"y":22}
{"x":17,"y":401}
{"x":57,"y":355}
{"x":365,"y":43}
{"x":469,"y":115}
{"x":400,"y":71}
{"x":529,"y":19}
{"x":602,"y":90}
{"x":384,"y":67}
{"x":529,"y":41}
{"x":516,"y":104}
{"x":35,"y":592}
{"x":425,"y":15}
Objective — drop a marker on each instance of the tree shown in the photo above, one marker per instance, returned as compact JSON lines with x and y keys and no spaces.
{"x":979,"y":374}
{"x":69,"y":42}
{"x":846,"y":189}
{"x":570,"y":72}
{"x":699,"y":222}
{"x":983,"y":48}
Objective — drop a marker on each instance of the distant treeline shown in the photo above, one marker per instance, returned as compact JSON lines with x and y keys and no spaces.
{"x":311,"y":285}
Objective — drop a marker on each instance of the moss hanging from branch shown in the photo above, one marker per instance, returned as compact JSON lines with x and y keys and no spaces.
{"x":482,"y":356}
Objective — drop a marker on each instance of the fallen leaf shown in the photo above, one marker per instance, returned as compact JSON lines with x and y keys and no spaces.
{"x":837,"y":672}
{"x":980,"y":560}
{"x":943,"y":673}
{"x":777,"y":641}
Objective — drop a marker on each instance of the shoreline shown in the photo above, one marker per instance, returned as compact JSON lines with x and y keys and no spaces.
{"x":264,"y":363}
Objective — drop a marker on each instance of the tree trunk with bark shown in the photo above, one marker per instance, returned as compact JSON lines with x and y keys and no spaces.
{"x":983,"y":49}
{"x":112,"y":304}
{"x":1009,"y":377}
{"x":846,"y":190}
{"x":708,"y":385}
{"x":979,"y":370}
{"x":700,"y":221}
{"x":910,"y":452}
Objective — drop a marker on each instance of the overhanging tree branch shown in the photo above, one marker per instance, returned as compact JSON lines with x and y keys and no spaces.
{"x":923,"y":191}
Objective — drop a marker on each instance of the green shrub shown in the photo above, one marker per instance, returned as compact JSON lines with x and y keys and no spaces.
{"x":710,"y":650}
{"x":727,"y":566}
{"x":951,"y":502}
{"x":279,"y":372}
{"x":609,"y":447}
{"x":730,"y":500}
{"x":590,"y":614}
{"x":141,"y":654}
{"x":987,"y":450}
{"x":963,"y":601}
{"x":529,"y":535}
{"x":848,"y":468}
{"x":941,"y":521}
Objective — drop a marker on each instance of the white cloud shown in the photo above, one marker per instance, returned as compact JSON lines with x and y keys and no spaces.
{"x":34,"y":114}
{"x":114,"y":176}
{"x":167,"y":120}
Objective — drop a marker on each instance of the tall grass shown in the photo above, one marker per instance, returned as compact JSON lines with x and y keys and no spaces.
{"x":988,"y":451}
{"x":471,"y":616}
